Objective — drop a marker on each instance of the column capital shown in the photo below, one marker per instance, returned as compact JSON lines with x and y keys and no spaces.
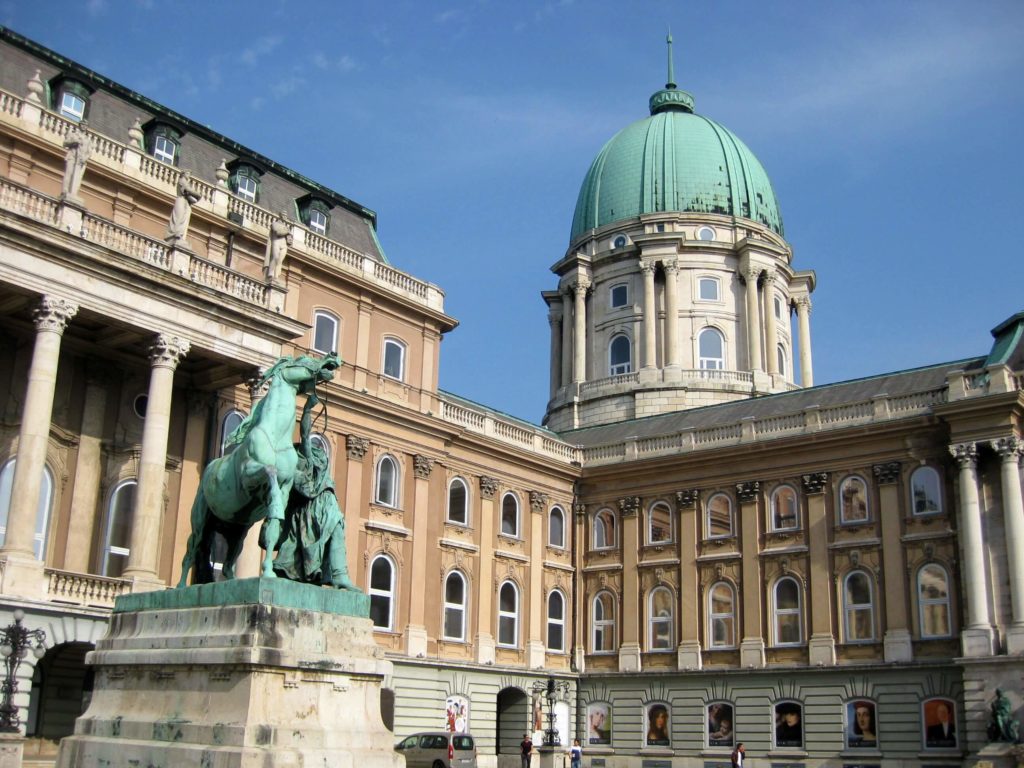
{"x":886,"y":473}
{"x":751,"y":273}
{"x":255,"y":384}
{"x":803,"y":303}
{"x":671,"y":266}
{"x":52,"y":314}
{"x":538,"y":501}
{"x":422,"y":466}
{"x":770,"y":275}
{"x":167,"y":351}
{"x":488,"y":486}
{"x":579,"y":508}
{"x":629,"y":506}
{"x":815,"y":482}
{"x":356,"y":447}
{"x":965,"y":454}
{"x":747,"y":492}
{"x":580,"y":286}
{"x":1008,"y":448}
{"x":687,"y":499}
{"x":646,"y":267}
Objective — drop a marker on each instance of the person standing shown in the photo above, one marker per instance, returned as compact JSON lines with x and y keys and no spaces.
{"x":526,"y":751}
{"x":738,"y":755}
{"x":576,"y":754}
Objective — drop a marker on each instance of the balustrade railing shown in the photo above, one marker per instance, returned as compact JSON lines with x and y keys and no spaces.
{"x":84,"y":589}
{"x":28,"y":203}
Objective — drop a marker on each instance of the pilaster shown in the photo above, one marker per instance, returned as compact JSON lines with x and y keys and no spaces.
{"x":771,"y":333}
{"x":688,"y":654}
{"x":484,"y":638}
{"x":752,"y":644}
{"x":897,"y":639}
{"x":415,"y":631}
{"x":1009,"y":450}
{"x":751,"y":273}
{"x":629,"y":650}
{"x":579,"y":338}
{"x":821,"y":644}
{"x":650,"y":314}
{"x":355,"y":449}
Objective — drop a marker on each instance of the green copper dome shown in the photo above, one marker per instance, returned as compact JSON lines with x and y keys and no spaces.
{"x":674,"y":160}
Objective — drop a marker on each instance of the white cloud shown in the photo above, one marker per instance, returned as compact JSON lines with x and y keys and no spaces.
{"x":259,"y":49}
{"x":287,"y":86}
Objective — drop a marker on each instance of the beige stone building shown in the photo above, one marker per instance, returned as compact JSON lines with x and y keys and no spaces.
{"x":699,"y":547}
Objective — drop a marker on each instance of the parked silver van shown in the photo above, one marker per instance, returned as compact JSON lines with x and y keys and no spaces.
{"x":438,"y":749}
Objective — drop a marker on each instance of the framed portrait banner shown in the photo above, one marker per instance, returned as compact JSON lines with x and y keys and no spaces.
{"x":456,"y":715}
{"x":939,"y":718}
{"x":861,"y":725}
{"x":789,"y":724}
{"x":658,"y":726}
{"x":720,"y":724}
{"x":599,"y":723}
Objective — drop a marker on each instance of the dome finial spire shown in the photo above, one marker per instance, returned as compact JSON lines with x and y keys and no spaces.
{"x":671,"y":84}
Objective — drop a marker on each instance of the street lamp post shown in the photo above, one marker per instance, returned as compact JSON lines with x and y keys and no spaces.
{"x":552,"y":691}
{"x":13,"y":643}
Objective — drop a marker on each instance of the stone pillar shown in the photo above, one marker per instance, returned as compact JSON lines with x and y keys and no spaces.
{"x":1009,"y":450}
{"x":143,"y":559}
{"x":803,"y":315}
{"x":484,"y":638}
{"x":85,"y":498}
{"x":897,"y":639}
{"x":555,"y":321}
{"x":976,"y":638}
{"x":671,"y":312}
{"x":688,"y":653}
{"x":629,"y":651}
{"x":416,"y":630}
{"x":197,"y":441}
{"x":771,"y":354}
{"x":578,"y":609}
{"x":355,"y":449}
{"x":821,"y":644}
{"x":567,"y":333}
{"x":362,"y":343}
{"x":579,"y":337}
{"x":650,"y":315}
{"x":535,"y":623}
{"x":750,"y":275}
{"x":748,"y":521}
{"x":22,"y":574}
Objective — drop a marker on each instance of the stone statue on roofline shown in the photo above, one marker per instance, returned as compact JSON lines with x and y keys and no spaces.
{"x":79,"y":148}
{"x":187,"y":196}
{"x":278,"y":241}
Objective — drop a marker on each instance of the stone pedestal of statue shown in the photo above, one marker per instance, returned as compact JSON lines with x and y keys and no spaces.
{"x":238,"y":674}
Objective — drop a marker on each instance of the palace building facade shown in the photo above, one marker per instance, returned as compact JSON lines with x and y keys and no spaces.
{"x":698,"y":547}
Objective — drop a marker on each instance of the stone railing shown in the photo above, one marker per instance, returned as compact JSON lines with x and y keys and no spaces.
{"x":658,"y":377}
{"x":83,"y":589}
{"x":25,"y":202}
{"x":333,"y":250}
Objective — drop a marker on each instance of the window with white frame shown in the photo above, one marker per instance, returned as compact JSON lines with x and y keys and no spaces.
{"x":619,"y":356}
{"x":853,"y":500}
{"x":72,"y":106}
{"x":778,"y":304}
{"x":722,"y":615}
{"x":659,"y":523}
{"x":925,"y":491}
{"x":43,"y":509}
{"x":711,"y":349}
{"x":556,"y":621}
{"x":660,"y":621}
{"x":454,"y":607}
{"x":718,"y":520}
{"x":787,"y":611}
{"x":118,"y":535}
{"x":858,"y":608}
{"x":603,"y":623}
{"x":70,"y":98}
{"x":394,"y":359}
{"x":230,"y":423}
{"x":705,"y":233}
{"x":556,"y":528}
{"x":618,"y":295}
{"x":510,"y":515}
{"x":318,"y":222}
{"x":604,"y":529}
{"x":163,"y":142}
{"x":245,"y":181}
{"x":325,"y":332}
{"x":315,"y":214}
{"x":382,"y":592}
{"x":785,"y":514}
{"x":458,"y":502}
{"x":781,"y":359}
{"x":933,"y":601}
{"x":386,"y":486}
{"x":709,"y":289}
{"x":508,"y":614}
{"x":165,"y":149}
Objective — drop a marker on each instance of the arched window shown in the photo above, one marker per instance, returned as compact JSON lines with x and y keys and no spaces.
{"x":458,"y":501}
{"x":925,"y":491}
{"x":853,"y":500}
{"x":42,"y":511}
{"x":556,"y":528}
{"x":325,"y":332}
{"x":780,"y":356}
{"x":711,"y":349}
{"x":508,"y":614}
{"x":659,"y":523}
{"x":788,"y":619}
{"x":604,"y":529}
{"x":454,"y":606}
{"x":118,"y":536}
{"x":933,"y":600}
{"x":858,"y":607}
{"x":603,"y":623}
{"x":778,"y":304}
{"x":660,"y":621}
{"x":387,"y":482}
{"x":382,"y":592}
{"x":510,"y":515}
{"x":227,"y":426}
{"x":722,"y":615}
{"x":556,"y":621}
{"x":619,"y":356}
{"x":785,"y":516}
{"x":718,"y":522}
{"x":394,"y":359}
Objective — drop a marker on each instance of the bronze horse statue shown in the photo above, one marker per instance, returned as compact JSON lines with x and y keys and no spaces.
{"x":253,"y":482}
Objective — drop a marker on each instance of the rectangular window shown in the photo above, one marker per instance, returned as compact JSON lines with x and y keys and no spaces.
{"x":619,"y":296}
{"x":708,"y":289}
{"x":247,"y":188}
{"x":72,"y":106}
{"x":164,"y":149}
{"x":318,"y":222}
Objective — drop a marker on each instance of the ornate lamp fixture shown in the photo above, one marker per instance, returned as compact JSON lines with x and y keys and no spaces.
{"x":553,"y":691}
{"x":13,"y":643}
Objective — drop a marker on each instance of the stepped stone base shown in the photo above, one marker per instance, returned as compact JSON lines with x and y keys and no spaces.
{"x":252,"y":672}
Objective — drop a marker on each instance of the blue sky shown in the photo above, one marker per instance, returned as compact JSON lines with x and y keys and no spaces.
{"x":891,"y":132}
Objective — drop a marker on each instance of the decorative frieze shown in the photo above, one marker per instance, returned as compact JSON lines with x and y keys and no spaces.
{"x":814,"y":482}
{"x":356,"y":447}
{"x":747,"y":492}
{"x":422,"y":466}
{"x":887,"y":473}
{"x":629,"y":506}
{"x":53,"y":314}
{"x":538,"y":501}
{"x":687,"y":499}
{"x":488,"y":486}
{"x":965,"y":454}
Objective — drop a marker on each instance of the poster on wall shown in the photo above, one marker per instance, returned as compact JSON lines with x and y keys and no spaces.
{"x":789,"y":730}
{"x":657,"y":726}
{"x":861,"y":731}
{"x":720,"y":724}
{"x":562,"y":723}
{"x":456,"y":714}
{"x":599,"y":723}
{"x":939,"y":724}
{"x":537,"y":723}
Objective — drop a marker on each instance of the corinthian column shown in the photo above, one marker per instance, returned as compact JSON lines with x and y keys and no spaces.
{"x":671,"y":312}
{"x":1009,"y":450}
{"x":579,"y":337}
{"x":567,"y":330}
{"x":750,"y":275}
{"x":650,"y":314}
{"x":51,"y":317}
{"x":555,"y":362}
{"x":803,"y":314}
{"x":771,"y":354}
{"x":143,"y":559}
{"x":976,"y":638}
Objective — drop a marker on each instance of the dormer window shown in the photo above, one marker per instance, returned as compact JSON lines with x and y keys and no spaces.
{"x":315,"y":214}
{"x":245,"y":181}
{"x":70,"y":98}
{"x":163,"y":142}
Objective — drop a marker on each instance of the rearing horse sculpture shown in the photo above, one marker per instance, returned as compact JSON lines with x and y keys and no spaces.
{"x":252,"y":483}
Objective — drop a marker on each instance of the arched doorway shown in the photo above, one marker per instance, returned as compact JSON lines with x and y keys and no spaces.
{"x":513,"y":722}
{"x":61,"y":689}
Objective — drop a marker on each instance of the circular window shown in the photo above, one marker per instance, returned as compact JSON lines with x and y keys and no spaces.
{"x":139,"y":405}
{"x":705,"y":233}
{"x":619,"y":242}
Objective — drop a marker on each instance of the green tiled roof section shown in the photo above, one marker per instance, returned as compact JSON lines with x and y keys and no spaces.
{"x":674,"y":161}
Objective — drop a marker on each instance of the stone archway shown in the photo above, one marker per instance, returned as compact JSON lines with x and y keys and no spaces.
{"x":61,"y":688}
{"x":513,"y":720}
